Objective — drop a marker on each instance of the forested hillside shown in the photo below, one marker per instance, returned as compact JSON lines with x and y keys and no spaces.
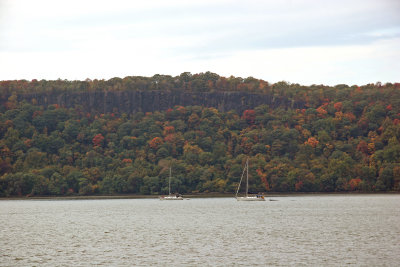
{"x":306,"y":139}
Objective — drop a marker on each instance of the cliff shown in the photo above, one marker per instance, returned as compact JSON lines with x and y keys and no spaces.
{"x":149,"y":101}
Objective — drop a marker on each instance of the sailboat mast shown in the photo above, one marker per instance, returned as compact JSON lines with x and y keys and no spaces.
{"x":247,"y":174}
{"x":169,"y":182}
{"x":240,"y":182}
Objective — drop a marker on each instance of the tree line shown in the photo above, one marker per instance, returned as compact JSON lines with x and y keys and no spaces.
{"x":345,"y":139}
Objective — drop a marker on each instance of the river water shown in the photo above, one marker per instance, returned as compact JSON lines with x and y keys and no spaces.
{"x":316,"y":230}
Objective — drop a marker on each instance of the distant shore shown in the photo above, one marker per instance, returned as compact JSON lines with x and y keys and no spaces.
{"x":198,"y":195}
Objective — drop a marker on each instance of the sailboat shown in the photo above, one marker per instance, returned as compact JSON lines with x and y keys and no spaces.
{"x":171,"y":196}
{"x":247,"y":197}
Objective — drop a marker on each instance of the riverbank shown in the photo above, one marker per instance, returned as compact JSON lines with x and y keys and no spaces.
{"x":197,"y":195}
{"x":131,"y":196}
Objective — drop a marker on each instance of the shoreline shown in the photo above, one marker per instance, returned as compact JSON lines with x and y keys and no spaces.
{"x":199,"y":195}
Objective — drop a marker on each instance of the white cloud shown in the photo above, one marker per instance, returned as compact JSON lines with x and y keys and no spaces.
{"x":304,"y":41}
{"x":309,"y":65}
{"x":359,"y":64}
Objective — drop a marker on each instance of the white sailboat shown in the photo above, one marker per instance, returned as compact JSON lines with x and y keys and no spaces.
{"x":247,"y":197}
{"x":171,"y":196}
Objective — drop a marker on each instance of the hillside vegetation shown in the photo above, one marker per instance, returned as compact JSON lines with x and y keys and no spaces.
{"x":341,"y":138}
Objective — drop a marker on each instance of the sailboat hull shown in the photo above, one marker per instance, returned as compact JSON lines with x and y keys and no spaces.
{"x":171,"y":198}
{"x":250,"y":198}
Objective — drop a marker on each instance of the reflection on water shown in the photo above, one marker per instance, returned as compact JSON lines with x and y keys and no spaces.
{"x":297,"y":230}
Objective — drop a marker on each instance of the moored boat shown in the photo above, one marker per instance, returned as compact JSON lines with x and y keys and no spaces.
{"x":247,"y":197}
{"x":171,"y":196}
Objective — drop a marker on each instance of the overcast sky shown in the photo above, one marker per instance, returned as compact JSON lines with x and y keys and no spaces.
{"x":305,"y":41}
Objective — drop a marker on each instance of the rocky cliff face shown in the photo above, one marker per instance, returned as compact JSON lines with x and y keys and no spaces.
{"x":149,"y":101}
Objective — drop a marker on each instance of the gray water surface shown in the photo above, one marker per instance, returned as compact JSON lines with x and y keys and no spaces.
{"x":332,"y":230}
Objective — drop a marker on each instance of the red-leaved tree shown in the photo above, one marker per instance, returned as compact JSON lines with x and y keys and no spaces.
{"x":98,"y":140}
{"x":249,"y":115}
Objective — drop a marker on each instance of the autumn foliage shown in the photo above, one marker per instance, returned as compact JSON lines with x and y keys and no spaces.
{"x":155,"y":142}
{"x":249,"y":115}
{"x":127,"y":161}
{"x":312,"y":141}
{"x":338,"y":106}
{"x":302,"y":139}
{"x":97,"y":140}
{"x":354,"y":184}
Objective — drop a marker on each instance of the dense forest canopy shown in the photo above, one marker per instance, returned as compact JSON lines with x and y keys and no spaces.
{"x":343,"y":138}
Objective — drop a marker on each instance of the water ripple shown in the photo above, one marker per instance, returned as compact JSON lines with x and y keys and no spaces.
{"x":294,"y":231}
